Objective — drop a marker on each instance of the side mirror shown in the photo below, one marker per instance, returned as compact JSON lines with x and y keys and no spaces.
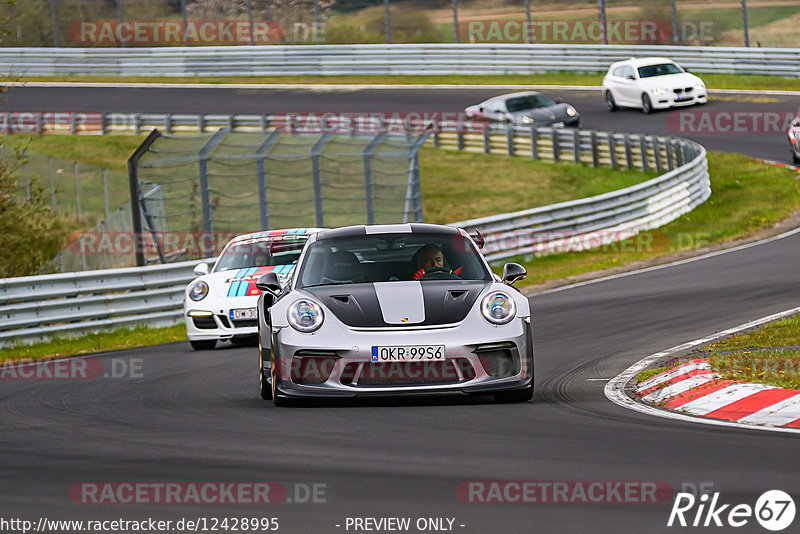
{"x":200,"y":269}
{"x":513,"y":272}
{"x":630,"y":77}
{"x":685,"y":69}
{"x":559,"y":100}
{"x":269,"y":283}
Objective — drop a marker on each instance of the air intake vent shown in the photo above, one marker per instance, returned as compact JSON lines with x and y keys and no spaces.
{"x":456,"y":294}
{"x":344,"y":299}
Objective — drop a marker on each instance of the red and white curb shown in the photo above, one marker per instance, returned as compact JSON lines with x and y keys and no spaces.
{"x":693,"y":392}
{"x":694,"y":388}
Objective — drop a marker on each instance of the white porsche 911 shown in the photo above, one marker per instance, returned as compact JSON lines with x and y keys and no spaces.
{"x":651,"y":83}
{"x":390,"y":310}
{"x":221,"y":303}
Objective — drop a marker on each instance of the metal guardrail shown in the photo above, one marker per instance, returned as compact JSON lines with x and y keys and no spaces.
{"x":588,"y":222}
{"x":409,"y":59}
{"x":37,"y":307}
{"x":34,"y":308}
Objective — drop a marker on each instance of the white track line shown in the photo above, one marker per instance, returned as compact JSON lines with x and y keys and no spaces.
{"x":615,"y":389}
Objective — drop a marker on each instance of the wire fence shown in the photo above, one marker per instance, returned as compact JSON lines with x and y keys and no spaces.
{"x":69,"y":187}
{"x":212,"y":187}
{"x":137,"y":23}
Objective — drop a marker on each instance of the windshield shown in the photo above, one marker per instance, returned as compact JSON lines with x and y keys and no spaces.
{"x":261,"y":253}
{"x":391,"y":257}
{"x":521,"y":103}
{"x":659,"y":70}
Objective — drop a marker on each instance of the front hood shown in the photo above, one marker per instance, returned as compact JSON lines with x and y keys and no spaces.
{"x":671,"y":81}
{"x":242,"y":282}
{"x":413,"y":303}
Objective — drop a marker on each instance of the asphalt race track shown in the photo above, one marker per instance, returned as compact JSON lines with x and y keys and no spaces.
{"x":771,"y":144}
{"x":196,"y":416}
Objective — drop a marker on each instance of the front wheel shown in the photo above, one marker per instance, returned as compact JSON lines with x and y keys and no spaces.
{"x":795,"y":157}
{"x":517,"y":395}
{"x":647,"y":105}
{"x":203,"y":344}
{"x":610,"y":103}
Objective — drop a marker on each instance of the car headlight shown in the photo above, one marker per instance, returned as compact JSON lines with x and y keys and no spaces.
{"x":571,"y":111}
{"x":305,"y":315}
{"x":658,"y":91}
{"x":498,"y":308}
{"x":198,"y":291}
{"x":526,"y":120}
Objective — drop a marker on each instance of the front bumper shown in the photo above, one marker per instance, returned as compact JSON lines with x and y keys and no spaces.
{"x":218,"y":326}
{"x":670,"y":100}
{"x":488,"y":359}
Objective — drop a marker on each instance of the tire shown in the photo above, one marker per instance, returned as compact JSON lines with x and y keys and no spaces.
{"x":795,"y":157}
{"x":647,"y":105}
{"x":203,"y":344}
{"x":610,"y":103}
{"x":516,"y":395}
{"x":263,"y":382}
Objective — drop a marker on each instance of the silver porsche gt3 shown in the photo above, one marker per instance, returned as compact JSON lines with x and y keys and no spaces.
{"x":394,"y":309}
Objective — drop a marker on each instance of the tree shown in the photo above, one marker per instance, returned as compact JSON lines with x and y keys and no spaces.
{"x":30,"y":233}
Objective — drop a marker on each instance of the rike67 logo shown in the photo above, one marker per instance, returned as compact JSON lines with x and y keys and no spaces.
{"x":774,"y":510}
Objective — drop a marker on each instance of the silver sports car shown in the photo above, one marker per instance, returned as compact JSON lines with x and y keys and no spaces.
{"x":394,"y":309}
{"x":527,"y":108}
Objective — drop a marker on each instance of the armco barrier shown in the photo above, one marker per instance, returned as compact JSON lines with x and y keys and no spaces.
{"x":37,"y":307}
{"x":579,"y":224}
{"x":379,"y":59}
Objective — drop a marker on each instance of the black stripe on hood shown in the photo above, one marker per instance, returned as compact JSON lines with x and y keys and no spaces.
{"x":446,"y":302}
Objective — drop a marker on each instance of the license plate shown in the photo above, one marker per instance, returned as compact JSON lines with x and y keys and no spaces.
{"x":408,"y":353}
{"x":557,"y":125}
{"x":244,"y":313}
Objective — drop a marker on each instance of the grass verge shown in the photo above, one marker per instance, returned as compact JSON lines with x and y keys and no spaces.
{"x":106,"y":151}
{"x":713,"y":81}
{"x":769,"y":355}
{"x":649,"y":373}
{"x":123,"y":338}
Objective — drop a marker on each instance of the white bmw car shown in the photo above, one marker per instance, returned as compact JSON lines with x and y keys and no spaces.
{"x":651,"y":83}
{"x":221,"y":303}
